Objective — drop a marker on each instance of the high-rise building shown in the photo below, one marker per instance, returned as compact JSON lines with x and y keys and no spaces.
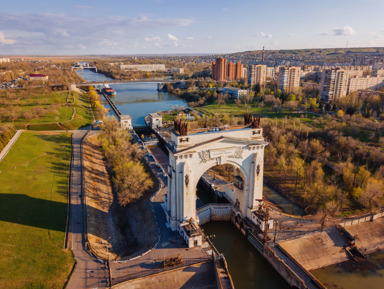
{"x":219,"y":69}
{"x":289,"y":78}
{"x":239,"y":74}
{"x":222,"y":71}
{"x":231,"y":71}
{"x":334,"y":84}
{"x":257,"y":74}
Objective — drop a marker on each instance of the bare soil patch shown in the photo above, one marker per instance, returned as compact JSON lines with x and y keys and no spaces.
{"x":114,"y":231}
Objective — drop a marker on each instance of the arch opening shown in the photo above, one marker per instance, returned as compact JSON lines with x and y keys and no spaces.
{"x":223,"y":183}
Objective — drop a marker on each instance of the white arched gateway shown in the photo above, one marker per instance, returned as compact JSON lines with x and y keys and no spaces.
{"x":193,"y":153}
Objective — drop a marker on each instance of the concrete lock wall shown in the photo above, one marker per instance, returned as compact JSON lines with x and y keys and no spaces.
{"x":283,"y":269}
{"x":210,"y":212}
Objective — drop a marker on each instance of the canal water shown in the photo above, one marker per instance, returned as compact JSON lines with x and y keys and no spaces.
{"x":138,"y":99}
{"x":286,"y":205}
{"x":342,"y":276}
{"x":247,"y":266}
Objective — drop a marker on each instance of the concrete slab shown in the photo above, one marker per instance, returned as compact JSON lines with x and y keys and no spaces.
{"x":317,"y":250}
{"x":369,"y":235}
{"x":200,"y":276}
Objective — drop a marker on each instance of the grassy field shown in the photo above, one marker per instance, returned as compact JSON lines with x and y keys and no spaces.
{"x":33,"y":209}
{"x":59,"y":107}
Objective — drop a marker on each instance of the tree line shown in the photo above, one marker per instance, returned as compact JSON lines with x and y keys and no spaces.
{"x":130,"y":179}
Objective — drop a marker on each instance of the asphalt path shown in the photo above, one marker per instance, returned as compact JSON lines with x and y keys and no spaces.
{"x":89,"y":271}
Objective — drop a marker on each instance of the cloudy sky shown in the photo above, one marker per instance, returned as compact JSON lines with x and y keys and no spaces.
{"x":183,"y":26}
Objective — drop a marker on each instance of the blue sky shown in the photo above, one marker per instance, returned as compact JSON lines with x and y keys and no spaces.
{"x":178,"y":26}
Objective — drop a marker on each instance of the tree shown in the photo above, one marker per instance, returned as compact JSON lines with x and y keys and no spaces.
{"x":291,"y":97}
{"x":340,"y":113}
{"x":298,"y":167}
{"x":372,"y":195}
{"x":329,"y":209}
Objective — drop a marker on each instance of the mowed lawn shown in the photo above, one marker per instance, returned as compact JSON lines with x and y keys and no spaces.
{"x":33,"y":210}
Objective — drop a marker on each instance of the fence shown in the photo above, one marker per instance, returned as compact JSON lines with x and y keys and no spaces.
{"x":362,"y":220}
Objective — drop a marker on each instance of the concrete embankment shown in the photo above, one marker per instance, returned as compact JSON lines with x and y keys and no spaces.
{"x":317,"y":250}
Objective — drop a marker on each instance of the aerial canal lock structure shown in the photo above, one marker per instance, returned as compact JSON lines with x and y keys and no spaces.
{"x":191,"y":154}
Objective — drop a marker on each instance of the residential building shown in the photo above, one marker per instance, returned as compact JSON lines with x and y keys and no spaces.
{"x":4,"y":60}
{"x":334,"y":84}
{"x":231,"y":67}
{"x":360,"y":83}
{"x":38,"y":77}
{"x":219,"y":69}
{"x":234,"y":91}
{"x":289,"y":78}
{"x":239,"y":72}
{"x":257,"y":74}
{"x":223,"y":70}
{"x":143,"y":67}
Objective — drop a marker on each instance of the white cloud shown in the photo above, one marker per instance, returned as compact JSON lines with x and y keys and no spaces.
{"x":266,"y":35}
{"x":154,"y":38}
{"x":323,"y":33}
{"x":347,"y":30}
{"x":39,"y":33}
{"x":189,"y":38}
{"x":5,"y":41}
{"x":291,"y":34}
{"x":172,"y":37}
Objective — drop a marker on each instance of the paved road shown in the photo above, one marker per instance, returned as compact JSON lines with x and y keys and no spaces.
{"x":89,"y":271}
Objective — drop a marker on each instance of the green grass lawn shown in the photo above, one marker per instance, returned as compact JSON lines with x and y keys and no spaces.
{"x":33,"y":210}
{"x":62,"y":114}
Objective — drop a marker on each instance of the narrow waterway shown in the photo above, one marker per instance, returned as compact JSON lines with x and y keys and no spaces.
{"x":138,"y":99}
{"x":247,"y":266}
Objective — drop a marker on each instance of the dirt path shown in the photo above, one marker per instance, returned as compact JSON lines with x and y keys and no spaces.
{"x":103,"y":235}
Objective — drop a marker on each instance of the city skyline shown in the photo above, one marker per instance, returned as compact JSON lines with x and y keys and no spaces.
{"x":166,"y":27}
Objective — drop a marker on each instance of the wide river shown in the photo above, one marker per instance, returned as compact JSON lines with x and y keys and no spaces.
{"x":138,"y":99}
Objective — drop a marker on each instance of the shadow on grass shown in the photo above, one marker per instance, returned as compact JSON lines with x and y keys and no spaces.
{"x":28,"y":211}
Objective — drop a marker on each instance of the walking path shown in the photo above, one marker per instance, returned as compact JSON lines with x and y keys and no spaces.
{"x":89,"y":272}
{"x":11,"y":142}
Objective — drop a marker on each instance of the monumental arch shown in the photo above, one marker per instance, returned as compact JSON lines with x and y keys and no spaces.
{"x":192,"y":153}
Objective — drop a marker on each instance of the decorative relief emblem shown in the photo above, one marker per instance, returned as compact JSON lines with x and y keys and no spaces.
{"x":186,"y":180}
{"x":258,"y":170}
{"x":205,"y":156}
{"x":238,"y":153}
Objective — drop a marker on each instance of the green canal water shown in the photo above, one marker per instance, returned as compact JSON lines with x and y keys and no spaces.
{"x":247,"y":266}
{"x":341,"y":276}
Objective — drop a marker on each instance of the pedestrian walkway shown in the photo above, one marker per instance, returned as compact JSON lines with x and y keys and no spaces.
{"x":11,"y":142}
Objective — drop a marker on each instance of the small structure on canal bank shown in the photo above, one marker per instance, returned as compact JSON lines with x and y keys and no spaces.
{"x":126,"y":122}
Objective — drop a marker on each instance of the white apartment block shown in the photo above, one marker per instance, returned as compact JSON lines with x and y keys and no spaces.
{"x":334,"y":83}
{"x":360,"y":83}
{"x":143,"y":67}
{"x":257,"y":74}
{"x":289,"y":78}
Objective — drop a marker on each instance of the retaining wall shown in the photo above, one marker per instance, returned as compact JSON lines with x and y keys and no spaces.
{"x":214,"y":212}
